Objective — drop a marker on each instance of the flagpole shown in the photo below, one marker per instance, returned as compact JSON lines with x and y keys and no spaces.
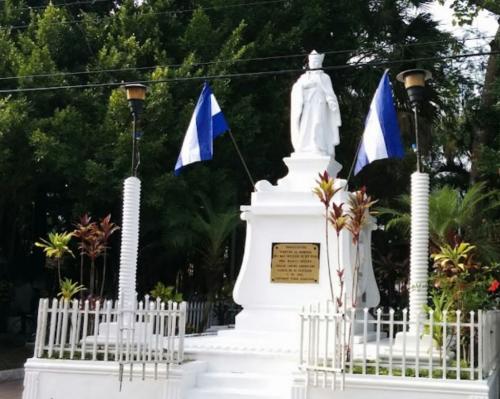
{"x":353,"y":163}
{"x":241,"y":157}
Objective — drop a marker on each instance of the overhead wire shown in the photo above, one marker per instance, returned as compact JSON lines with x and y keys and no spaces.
{"x":170,"y":12}
{"x":245,"y":74}
{"x":205,"y":63}
{"x":63,"y":5}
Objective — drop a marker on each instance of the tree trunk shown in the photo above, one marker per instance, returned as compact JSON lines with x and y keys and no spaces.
{"x":92,"y":270}
{"x":484,"y":132}
{"x":103,"y":273}
{"x":81,"y":273}
{"x":59,"y":270}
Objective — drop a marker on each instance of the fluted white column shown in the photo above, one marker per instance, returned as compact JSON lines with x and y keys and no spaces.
{"x":130,"y":242}
{"x":419,"y":257}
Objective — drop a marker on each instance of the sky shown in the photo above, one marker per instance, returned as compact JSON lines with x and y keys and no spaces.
{"x":485,"y":24}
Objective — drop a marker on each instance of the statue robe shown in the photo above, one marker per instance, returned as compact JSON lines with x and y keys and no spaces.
{"x":315,"y":114}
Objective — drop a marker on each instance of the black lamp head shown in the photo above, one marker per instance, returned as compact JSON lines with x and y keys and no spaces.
{"x":136,"y":94}
{"x":414,"y":81}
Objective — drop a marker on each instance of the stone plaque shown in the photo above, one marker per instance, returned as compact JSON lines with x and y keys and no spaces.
{"x":295,"y":263}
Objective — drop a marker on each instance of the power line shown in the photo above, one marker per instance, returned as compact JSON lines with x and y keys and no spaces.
{"x":245,"y":74}
{"x":75,"y":3}
{"x":171,"y":12}
{"x":194,"y":64}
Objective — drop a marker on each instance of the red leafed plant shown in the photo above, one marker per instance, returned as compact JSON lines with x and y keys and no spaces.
{"x":325,"y":191}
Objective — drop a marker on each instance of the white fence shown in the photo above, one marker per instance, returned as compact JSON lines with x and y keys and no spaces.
{"x":451,"y":346}
{"x":199,"y":316}
{"x":153,"y":332}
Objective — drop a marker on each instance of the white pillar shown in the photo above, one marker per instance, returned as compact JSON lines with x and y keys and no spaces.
{"x":419,"y":257}
{"x":130,"y":242}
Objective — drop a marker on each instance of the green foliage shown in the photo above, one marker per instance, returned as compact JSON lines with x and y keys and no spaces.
{"x":462,"y":282}
{"x":453,"y":259}
{"x":214,"y":227}
{"x":441,"y":306}
{"x":63,"y":152}
{"x":68,"y":289}
{"x":56,"y":247}
{"x":453,"y":216}
{"x":165,"y":293}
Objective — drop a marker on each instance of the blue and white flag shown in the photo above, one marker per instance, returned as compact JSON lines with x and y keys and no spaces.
{"x":206,"y":124}
{"x":381,"y":138}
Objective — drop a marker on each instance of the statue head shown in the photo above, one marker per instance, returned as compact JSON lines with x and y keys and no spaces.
{"x":315,"y":60}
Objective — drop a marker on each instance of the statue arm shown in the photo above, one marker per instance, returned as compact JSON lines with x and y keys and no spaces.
{"x":331,"y":98}
{"x":295,"y":112}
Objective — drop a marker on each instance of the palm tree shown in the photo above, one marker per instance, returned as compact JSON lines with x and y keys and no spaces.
{"x":56,"y":247}
{"x":454,"y":217}
{"x":214,"y":227}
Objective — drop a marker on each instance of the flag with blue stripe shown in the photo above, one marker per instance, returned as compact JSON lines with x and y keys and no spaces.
{"x":206,"y":124}
{"x":381,"y":138}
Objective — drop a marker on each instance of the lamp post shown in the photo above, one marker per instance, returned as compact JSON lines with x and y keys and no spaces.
{"x":414,"y":81}
{"x":136,"y":94}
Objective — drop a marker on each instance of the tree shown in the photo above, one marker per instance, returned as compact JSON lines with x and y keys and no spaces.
{"x":455,"y":217}
{"x":63,"y":152}
{"x":485,"y":119}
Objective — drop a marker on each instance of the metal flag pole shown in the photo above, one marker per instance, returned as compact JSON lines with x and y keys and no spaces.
{"x":353,"y":163}
{"x":241,"y":158}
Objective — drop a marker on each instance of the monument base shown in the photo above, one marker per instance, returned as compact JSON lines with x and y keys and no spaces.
{"x":286,"y":264}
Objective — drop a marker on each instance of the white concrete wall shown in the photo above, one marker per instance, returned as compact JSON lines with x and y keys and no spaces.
{"x":385,"y":387}
{"x":77,"y":379}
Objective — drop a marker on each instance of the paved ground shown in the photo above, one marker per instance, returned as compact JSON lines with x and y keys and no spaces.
{"x":13,"y":357}
{"x":11,"y":389}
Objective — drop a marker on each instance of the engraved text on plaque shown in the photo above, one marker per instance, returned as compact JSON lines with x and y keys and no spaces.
{"x":295,"y":263}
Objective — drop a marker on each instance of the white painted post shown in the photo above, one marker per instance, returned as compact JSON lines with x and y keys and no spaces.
{"x":85,"y":327}
{"x":38,"y":329}
{"x":365,"y":337}
{"x":182,"y":331}
{"x":301,"y":348}
{"x":108,"y":325}
{"x":419,"y":256}
{"x":162,"y":329}
{"x":431,"y":329}
{"x":96,"y":329}
{"x":405,"y":325}
{"x":175,"y":314}
{"x":59,"y":315}
{"x":445,"y":338}
{"x":480,"y":344}
{"x":471,"y":344}
{"x":391,"y":338}
{"x":129,"y":245}
{"x":64,"y":328}
{"x":377,"y":354}
{"x":74,"y":327}
{"x":417,"y":346}
{"x":458,"y":314}
{"x":43,"y":326}
{"x":351,"y":340}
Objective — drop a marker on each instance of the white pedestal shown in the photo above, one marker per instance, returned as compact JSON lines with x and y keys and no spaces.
{"x":290,"y":213}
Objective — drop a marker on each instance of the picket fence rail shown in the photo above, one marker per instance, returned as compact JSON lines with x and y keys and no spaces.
{"x":152,"y":332}
{"x":454,"y":346}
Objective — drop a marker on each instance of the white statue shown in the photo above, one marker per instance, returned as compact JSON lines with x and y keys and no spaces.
{"x":315,"y":114}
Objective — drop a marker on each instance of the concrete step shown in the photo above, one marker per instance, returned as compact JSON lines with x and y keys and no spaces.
{"x":239,"y":380}
{"x":231,"y":393}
